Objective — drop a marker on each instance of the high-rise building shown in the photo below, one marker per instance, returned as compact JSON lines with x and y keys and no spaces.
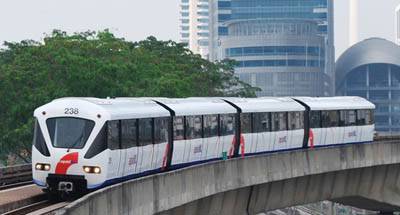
{"x":223,"y":13}
{"x":371,"y":69}
{"x":283,"y":57}
{"x":194,"y":27}
{"x":397,"y":27}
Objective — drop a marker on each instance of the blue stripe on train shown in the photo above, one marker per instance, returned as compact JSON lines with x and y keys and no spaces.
{"x":183,"y":165}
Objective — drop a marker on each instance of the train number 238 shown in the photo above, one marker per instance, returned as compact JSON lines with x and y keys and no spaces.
{"x":71,"y":111}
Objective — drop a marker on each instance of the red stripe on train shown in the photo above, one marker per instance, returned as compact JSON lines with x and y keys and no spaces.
{"x":67,"y":161}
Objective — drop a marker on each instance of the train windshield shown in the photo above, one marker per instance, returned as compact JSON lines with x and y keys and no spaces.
{"x":67,"y":132}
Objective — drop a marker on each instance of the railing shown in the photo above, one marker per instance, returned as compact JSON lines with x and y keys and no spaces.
{"x":15,"y":175}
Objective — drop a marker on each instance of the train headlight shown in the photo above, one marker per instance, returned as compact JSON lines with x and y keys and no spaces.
{"x":92,"y":169}
{"x":96,"y":170}
{"x":42,"y":166}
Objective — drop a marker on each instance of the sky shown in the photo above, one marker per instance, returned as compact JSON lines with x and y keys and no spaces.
{"x":136,"y":19}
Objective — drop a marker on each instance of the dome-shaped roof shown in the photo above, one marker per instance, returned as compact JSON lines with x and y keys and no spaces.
{"x":369,"y":51}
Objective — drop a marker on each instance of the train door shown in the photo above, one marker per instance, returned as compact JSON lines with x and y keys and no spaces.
{"x":129,"y":145}
{"x":194,"y":136}
{"x":316,"y":133}
{"x":113,"y":140}
{"x":160,"y":142}
{"x":280,"y":127}
{"x":146,"y":146}
{"x":211,"y":138}
{"x":179,"y":153}
{"x":247,"y":133}
{"x":351,"y":128}
{"x":342,"y":127}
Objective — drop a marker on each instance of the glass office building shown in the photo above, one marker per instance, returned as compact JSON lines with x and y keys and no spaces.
{"x":283,"y":57}
{"x":371,"y":69}
{"x":205,"y":27}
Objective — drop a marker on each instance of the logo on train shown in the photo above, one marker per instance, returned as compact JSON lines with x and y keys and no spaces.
{"x":132,"y":160}
{"x":282,"y":139}
{"x":198,"y":149}
{"x":352,"y":134}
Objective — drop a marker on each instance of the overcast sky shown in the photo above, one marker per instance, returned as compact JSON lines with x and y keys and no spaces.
{"x":137,"y":19}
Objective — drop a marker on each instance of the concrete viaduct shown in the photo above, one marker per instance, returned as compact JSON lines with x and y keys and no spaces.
{"x":365,"y":176}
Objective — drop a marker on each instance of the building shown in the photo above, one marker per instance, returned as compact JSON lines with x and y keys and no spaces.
{"x":397,"y":25}
{"x":194,"y":25}
{"x":283,"y":57}
{"x":205,"y":24}
{"x":371,"y":69}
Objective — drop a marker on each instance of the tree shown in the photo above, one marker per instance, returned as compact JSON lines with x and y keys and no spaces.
{"x":91,"y":64}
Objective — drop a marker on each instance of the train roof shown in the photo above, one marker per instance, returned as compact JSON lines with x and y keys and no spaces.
{"x":336,"y":103}
{"x":266,"y":104}
{"x":119,"y":108}
{"x":197,"y":106}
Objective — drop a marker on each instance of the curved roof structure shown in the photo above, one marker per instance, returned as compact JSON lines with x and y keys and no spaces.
{"x":369,"y":51}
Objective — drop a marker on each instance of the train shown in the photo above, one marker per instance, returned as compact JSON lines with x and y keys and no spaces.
{"x":83,"y":144}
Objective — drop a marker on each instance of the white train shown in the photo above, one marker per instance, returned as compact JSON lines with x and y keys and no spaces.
{"x":81,"y":144}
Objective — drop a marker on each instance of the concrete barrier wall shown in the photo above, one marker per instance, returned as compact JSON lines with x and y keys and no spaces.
{"x":158,"y":193}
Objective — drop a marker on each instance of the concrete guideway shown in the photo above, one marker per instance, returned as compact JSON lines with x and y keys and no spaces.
{"x":364,"y":175}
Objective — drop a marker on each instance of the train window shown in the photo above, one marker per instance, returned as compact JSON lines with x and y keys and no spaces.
{"x":99,"y":144}
{"x":178,"y":128}
{"x":193,"y":127}
{"x":296,"y":120}
{"x":145,"y":132}
{"x":330,"y":119}
{"x":39,"y":142}
{"x":161,"y":130}
{"x":261,"y":122}
{"x":245,"y":122}
{"x":279,"y":121}
{"x":315,"y":119}
{"x":210,"y":125}
{"x":69,"y":132}
{"x":348,"y":118}
{"x":128,"y":133}
{"x":369,"y":117}
{"x":113,"y":134}
{"x":361,"y":117}
{"x":227,"y":124}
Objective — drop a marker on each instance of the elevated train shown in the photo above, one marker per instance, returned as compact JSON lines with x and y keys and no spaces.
{"x":81,"y":144}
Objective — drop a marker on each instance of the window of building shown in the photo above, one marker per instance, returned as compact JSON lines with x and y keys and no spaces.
{"x":395,"y":76}
{"x":378,"y":75}
{"x":357,"y":77}
{"x":379,"y":95}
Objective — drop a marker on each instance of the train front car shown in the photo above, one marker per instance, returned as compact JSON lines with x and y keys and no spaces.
{"x":68,"y":152}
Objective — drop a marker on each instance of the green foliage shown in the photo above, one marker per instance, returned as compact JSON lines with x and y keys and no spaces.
{"x":91,"y":64}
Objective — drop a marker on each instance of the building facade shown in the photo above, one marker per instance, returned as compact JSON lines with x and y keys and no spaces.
{"x":371,"y":69}
{"x":206,"y":32}
{"x":283,"y":57}
{"x":194,"y":25}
